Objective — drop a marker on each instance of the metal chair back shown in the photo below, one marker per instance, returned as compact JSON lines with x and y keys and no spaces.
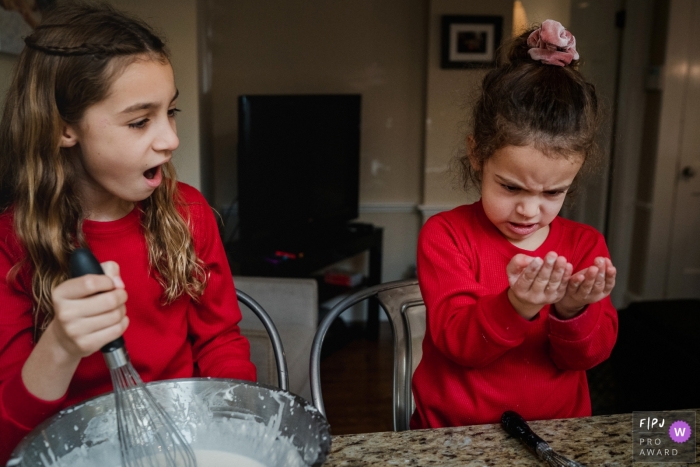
{"x":278,"y":349}
{"x":403,"y":304}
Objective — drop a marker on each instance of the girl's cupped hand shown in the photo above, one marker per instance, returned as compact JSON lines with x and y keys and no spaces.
{"x":587,"y":286}
{"x":535,"y":282}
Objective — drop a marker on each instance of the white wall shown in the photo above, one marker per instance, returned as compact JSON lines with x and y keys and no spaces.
{"x":375,"y":48}
{"x":449,"y":93}
{"x":389,"y":51}
{"x":540,"y":10}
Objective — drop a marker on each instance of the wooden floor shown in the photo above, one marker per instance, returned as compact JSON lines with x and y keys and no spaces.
{"x":356,"y":379}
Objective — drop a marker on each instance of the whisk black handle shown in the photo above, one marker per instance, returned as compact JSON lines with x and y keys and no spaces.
{"x":83,"y":262}
{"x":517,"y":427}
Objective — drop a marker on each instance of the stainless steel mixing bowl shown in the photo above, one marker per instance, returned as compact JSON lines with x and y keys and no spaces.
{"x":194,"y":403}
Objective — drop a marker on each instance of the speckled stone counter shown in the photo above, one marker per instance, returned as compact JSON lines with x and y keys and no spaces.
{"x":593,"y":441}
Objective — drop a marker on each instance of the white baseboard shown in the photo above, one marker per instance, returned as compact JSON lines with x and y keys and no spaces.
{"x":396,"y":208}
{"x":365,"y":208}
{"x":428,"y":210}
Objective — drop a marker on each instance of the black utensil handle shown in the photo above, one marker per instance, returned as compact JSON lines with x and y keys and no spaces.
{"x":517,"y":427}
{"x":83,"y":262}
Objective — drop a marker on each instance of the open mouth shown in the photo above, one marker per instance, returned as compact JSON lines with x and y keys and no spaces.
{"x":150,"y":173}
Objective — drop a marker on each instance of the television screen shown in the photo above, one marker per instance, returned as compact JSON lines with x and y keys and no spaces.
{"x":298,"y":164}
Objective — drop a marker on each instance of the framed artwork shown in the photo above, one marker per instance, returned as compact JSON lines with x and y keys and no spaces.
{"x":17,"y":20}
{"x":470,"y":41}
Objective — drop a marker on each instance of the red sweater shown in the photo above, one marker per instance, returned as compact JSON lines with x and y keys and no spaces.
{"x":480,"y":358}
{"x":180,"y":340}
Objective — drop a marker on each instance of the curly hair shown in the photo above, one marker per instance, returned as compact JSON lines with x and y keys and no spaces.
{"x":68,"y":65}
{"x":524,"y":102}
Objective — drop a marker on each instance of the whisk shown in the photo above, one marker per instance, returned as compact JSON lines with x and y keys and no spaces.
{"x":518,"y":428}
{"x":147,"y":434}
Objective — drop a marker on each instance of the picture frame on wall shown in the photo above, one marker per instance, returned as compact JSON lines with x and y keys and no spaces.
{"x":470,"y":41}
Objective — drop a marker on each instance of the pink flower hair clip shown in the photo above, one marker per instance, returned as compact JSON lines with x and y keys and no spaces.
{"x":552,"y":44}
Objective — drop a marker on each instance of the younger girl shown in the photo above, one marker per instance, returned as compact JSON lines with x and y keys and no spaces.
{"x":517,"y":298}
{"x":86,"y":141}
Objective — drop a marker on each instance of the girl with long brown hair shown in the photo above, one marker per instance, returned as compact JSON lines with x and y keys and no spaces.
{"x":86,"y":141}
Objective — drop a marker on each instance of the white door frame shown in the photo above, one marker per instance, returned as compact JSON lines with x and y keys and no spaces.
{"x":675,"y":86}
{"x":627,"y":148}
{"x":624,"y":203}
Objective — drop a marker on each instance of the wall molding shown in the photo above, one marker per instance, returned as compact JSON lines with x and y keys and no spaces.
{"x":428,"y":210}
{"x":395,"y":208}
{"x":365,"y":208}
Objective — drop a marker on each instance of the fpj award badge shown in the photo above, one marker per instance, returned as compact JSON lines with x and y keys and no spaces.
{"x":667,"y":436}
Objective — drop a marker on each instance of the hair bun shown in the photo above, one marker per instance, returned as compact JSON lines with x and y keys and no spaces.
{"x":552,"y":44}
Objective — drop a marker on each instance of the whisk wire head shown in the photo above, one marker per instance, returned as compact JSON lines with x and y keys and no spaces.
{"x":147,"y":435}
{"x":553,"y":458}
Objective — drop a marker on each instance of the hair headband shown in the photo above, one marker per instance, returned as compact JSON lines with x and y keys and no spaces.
{"x":85,"y":49}
{"x":552,"y":44}
{"x":98,"y":50}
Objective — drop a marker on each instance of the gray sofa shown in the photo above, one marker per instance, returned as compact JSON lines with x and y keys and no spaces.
{"x":293,"y":306}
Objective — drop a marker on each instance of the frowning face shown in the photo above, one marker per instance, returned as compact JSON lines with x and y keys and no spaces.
{"x":124,"y":140}
{"x":523,"y":190}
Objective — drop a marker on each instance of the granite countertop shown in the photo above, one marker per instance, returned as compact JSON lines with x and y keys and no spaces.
{"x":593,"y":441}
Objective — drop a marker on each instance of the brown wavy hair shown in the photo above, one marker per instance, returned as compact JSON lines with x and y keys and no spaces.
{"x":524,"y":102}
{"x":69,"y":64}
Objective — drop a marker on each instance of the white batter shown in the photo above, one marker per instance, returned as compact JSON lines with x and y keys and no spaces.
{"x":217,"y":441}
{"x":210,"y":458}
{"x":206,"y":458}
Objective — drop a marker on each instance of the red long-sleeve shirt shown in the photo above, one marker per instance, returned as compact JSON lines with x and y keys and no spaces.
{"x":184,"y":339}
{"x":480,"y":358}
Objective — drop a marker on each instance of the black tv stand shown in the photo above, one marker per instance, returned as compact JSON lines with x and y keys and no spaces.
{"x":303,"y":255}
{"x":360,"y":227}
